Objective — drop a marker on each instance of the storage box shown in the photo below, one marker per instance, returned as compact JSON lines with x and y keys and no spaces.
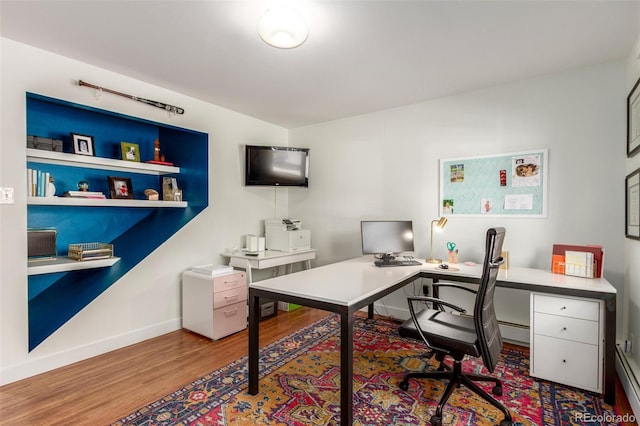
{"x":46,"y":144}
{"x":41,"y":243}
{"x":284,"y":306}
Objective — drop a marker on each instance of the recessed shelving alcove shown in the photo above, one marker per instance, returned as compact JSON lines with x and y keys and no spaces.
{"x":60,"y":288}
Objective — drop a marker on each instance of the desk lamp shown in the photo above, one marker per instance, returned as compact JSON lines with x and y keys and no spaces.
{"x":436,"y":225}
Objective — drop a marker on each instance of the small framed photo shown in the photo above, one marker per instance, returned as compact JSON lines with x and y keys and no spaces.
{"x":632,"y":205}
{"x":82,"y":144}
{"x":130,"y":151}
{"x":633,"y":121}
{"x":120,"y":187}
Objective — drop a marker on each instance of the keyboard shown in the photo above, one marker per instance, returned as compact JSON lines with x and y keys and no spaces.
{"x":394,"y":262}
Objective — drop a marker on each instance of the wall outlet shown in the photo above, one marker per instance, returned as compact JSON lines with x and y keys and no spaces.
{"x":6,"y":195}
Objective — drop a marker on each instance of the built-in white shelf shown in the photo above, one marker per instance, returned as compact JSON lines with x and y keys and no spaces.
{"x":76,"y":160}
{"x":101,"y":202}
{"x":64,"y":264}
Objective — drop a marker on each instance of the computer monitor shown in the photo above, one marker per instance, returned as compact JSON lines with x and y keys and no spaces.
{"x":386,"y":237}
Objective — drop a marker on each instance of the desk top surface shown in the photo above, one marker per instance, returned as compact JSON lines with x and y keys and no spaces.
{"x":350,"y":281}
{"x":267,"y":254}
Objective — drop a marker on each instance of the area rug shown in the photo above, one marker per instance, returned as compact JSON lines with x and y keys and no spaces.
{"x":300,"y":385}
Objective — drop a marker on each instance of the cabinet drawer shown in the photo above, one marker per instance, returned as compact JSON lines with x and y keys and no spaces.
{"x":568,"y":307}
{"x":229,"y":297}
{"x":228,"y":282}
{"x":570,"y":363}
{"x":577,"y":330}
{"x":229,"y":319}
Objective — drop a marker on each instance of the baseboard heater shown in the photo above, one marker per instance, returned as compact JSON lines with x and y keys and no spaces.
{"x":629,"y":380}
{"x":512,"y":332}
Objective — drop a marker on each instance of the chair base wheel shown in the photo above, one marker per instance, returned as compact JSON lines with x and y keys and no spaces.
{"x":436,"y":421}
{"x":404,"y":385}
{"x":497,"y":390}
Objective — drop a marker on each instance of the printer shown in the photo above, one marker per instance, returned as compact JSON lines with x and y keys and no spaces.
{"x":286,"y":235}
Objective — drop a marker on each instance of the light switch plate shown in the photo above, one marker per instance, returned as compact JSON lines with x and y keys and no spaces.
{"x":6,"y":195}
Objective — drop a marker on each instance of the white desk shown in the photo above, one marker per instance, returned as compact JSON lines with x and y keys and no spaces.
{"x":269,"y":259}
{"x":346,"y":287}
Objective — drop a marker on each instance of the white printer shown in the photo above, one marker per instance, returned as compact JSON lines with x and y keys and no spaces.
{"x":286,"y":235}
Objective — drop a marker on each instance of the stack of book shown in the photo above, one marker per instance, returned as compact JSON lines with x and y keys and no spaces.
{"x":84,"y":194}
{"x":581,"y":261}
{"x":212,"y":270}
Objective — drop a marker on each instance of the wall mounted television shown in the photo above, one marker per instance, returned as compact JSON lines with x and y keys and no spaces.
{"x":276,"y":166}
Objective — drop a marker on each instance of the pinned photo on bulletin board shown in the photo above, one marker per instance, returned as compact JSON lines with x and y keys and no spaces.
{"x":510,"y":184}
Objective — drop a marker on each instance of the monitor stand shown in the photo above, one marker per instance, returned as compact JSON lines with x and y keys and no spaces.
{"x":386,"y":257}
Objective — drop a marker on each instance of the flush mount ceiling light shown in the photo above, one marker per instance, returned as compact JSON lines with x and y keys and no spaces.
{"x":282,"y":27}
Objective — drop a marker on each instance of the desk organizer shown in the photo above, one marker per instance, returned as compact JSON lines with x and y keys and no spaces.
{"x":90,"y":251}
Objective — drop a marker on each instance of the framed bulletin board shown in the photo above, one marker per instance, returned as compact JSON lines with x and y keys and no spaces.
{"x":513,"y":184}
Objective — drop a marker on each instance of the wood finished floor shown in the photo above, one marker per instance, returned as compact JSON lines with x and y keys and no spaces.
{"x":100,"y":390}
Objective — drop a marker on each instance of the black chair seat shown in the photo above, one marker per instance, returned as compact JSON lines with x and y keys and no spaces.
{"x":444,"y":330}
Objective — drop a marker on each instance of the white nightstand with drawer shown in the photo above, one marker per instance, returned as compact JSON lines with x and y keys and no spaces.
{"x":567,"y":340}
{"x":214,"y":306}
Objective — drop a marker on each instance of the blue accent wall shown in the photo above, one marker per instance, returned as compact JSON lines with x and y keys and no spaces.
{"x":134,"y":232}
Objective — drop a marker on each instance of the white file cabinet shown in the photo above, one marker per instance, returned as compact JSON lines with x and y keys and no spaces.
{"x":214,"y":306}
{"x":567,"y":340}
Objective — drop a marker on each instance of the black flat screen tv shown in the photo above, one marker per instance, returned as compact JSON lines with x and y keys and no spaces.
{"x":276,"y":166}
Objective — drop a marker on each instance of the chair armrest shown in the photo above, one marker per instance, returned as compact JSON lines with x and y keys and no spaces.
{"x":436,"y":301}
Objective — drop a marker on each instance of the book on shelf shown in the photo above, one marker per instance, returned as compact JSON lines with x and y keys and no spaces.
{"x":579,"y":260}
{"x":37,"y":182}
{"x":161,"y":163}
{"x":84,"y":194}
{"x":212,"y":270}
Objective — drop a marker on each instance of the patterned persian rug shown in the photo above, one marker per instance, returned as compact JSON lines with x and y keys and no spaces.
{"x":300,"y":383}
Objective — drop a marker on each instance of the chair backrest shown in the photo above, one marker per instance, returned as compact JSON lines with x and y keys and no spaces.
{"x":484,"y":314}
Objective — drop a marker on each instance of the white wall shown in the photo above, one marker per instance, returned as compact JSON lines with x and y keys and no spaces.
{"x":145,"y":302}
{"x":385,"y":165}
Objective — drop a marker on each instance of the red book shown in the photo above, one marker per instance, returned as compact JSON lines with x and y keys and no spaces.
{"x":161,"y":163}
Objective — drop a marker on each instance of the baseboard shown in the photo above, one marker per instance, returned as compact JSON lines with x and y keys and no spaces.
{"x":50,"y":362}
{"x":630,"y":383}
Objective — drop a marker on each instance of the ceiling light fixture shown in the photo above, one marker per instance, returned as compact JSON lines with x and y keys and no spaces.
{"x":282,"y":27}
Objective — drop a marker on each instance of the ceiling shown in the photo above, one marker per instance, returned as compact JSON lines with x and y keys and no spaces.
{"x":360,"y":56}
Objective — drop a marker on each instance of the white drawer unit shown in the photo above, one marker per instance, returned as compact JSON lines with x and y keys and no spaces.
{"x":567,"y":340}
{"x":214,"y":306}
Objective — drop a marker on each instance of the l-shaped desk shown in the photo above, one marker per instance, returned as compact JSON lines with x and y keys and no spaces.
{"x":348,"y":286}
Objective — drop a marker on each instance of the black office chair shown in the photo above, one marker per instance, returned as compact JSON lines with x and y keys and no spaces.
{"x":454,"y":335}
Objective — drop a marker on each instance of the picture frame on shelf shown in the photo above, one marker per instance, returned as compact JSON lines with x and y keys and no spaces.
{"x":82,"y":144}
{"x":120,"y":187}
{"x":632,"y":205}
{"x":633,"y":120}
{"x":130,"y":151}
{"x":170,"y":190}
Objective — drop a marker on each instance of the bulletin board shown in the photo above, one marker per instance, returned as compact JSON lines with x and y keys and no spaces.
{"x":513,"y":185}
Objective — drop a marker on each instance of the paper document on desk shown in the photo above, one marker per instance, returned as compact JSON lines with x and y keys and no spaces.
{"x":578,"y":263}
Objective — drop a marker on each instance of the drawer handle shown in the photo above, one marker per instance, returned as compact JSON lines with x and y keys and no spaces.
{"x":231,"y":313}
{"x":235,"y":296}
{"x":563,"y":308}
{"x":564,"y":329}
{"x":564,"y":361}
{"x":231,"y":282}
